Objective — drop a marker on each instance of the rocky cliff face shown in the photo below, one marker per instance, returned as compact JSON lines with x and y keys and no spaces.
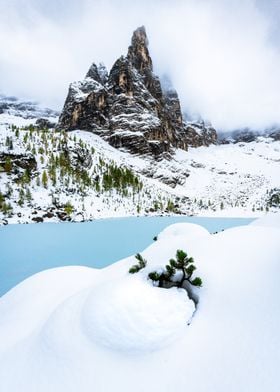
{"x":200,"y":134}
{"x":129,"y":107}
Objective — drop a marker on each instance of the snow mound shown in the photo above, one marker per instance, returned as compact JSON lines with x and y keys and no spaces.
{"x":270,"y":220}
{"x":189,"y":230}
{"x":131,"y":314}
{"x":73,"y":329}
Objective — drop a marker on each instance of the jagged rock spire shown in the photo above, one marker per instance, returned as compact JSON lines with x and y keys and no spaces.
{"x":138,"y":53}
{"x":98,"y":73}
{"x":129,"y":109}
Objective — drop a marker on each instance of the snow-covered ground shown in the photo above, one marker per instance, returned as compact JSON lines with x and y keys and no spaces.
{"x":81,"y":329}
{"x":223,"y":180}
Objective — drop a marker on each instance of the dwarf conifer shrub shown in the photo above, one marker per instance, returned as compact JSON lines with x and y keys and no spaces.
{"x":179,"y":271}
{"x":140,"y":265}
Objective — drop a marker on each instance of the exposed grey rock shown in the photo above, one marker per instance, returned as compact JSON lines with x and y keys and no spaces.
{"x":22,"y":161}
{"x":172,"y":180}
{"x":38,"y":219}
{"x":44,"y":123}
{"x":85,"y":107}
{"x":274,"y":133}
{"x":98,"y":73}
{"x":274,"y":198}
{"x":79,"y":157}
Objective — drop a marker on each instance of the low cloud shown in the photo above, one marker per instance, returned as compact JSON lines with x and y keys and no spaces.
{"x":222,"y":56}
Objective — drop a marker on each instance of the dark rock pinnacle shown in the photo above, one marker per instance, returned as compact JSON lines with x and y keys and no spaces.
{"x":130,"y":108}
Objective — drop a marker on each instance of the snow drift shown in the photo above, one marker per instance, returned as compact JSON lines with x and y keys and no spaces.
{"x":77,"y":328}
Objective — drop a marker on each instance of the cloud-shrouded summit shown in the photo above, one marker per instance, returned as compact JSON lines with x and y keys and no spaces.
{"x":222,"y":57}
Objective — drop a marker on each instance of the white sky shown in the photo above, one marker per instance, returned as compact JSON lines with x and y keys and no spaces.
{"x":222,"y":55}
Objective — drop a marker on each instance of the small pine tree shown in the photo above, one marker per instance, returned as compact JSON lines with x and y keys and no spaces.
{"x":156,"y":205}
{"x":26,"y":178}
{"x":2,"y":200}
{"x":182,"y":264}
{"x":53,"y":178}
{"x":6,"y":208}
{"x":28,"y":195}
{"x":20,"y":202}
{"x":8,"y":165}
{"x":68,"y":208}
{"x":45,"y":179}
{"x":140,"y":265}
{"x":170,"y":205}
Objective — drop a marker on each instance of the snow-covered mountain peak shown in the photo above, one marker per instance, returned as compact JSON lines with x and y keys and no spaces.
{"x":14,"y":110}
{"x":98,"y":73}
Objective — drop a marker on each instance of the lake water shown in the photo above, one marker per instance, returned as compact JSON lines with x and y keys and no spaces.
{"x":27,"y":249}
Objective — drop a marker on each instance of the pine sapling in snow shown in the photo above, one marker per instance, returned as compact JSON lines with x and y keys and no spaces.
{"x":177,"y":272}
{"x":140,"y":265}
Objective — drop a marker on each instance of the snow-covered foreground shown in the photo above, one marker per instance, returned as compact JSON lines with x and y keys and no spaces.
{"x":80,"y":329}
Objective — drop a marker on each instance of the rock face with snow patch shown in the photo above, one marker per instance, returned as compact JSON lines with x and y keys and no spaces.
{"x":17,"y":162}
{"x":200,"y":134}
{"x":129,"y":107}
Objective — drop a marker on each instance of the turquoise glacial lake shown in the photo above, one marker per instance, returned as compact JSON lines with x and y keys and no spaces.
{"x":28,"y":249}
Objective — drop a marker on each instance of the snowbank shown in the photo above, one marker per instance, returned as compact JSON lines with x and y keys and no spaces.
{"x":77,"y":329}
{"x":130,"y":314}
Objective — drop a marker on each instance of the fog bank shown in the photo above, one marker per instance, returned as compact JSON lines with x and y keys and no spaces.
{"x":222,"y":56}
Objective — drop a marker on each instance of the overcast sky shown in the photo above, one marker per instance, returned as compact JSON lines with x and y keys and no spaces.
{"x":223,"y":56}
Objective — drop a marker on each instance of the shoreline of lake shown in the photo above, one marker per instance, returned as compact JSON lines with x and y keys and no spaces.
{"x":28,"y":249}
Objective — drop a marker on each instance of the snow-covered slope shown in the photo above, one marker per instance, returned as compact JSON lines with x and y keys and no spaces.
{"x":47,"y":175}
{"x":77,"y":328}
{"x":15,"y":111}
{"x":81,"y":181}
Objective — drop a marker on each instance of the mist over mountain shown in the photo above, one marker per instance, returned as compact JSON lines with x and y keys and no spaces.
{"x":222,"y":57}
